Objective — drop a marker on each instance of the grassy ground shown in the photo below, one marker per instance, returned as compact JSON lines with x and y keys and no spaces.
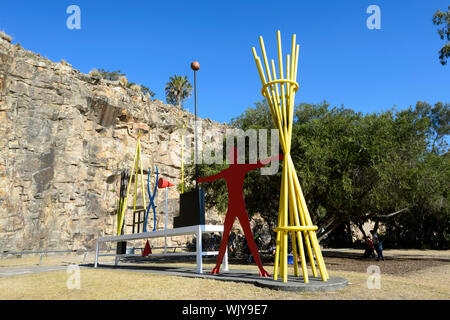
{"x":423,"y":281}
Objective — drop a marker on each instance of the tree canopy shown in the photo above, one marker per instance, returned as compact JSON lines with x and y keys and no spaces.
{"x":443,"y":18}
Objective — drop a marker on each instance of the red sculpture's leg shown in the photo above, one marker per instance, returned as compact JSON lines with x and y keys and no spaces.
{"x":251,"y":244}
{"x":229,"y":219}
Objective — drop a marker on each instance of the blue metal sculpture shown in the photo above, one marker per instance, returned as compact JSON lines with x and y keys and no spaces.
{"x":152,"y":198}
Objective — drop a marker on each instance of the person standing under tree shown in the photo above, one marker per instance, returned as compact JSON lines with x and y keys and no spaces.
{"x":369,"y":249}
{"x":377,"y":245}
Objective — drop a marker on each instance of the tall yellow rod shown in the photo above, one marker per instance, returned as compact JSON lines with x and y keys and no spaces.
{"x":302,"y":257}
{"x":280,"y":65}
{"x":291,"y":95}
{"x":289,"y":104}
{"x":280,"y":224}
{"x":283,"y":224}
{"x":294,"y":221}
{"x":288,"y":85}
{"x":294,"y":252}
{"x":285,"y":220}
{"x":277,"y":256}
{"x":292,"y":212}
{"x":124,"y":206}
{"x":136,"y":165}
{"x":269,"y":99}
{"x":284,"y":235}
{"x":292,"y":76}
{"x":266,"y":63}
{"x":293,"y":58}
{"x":277,"y":95}
{"x":305,"y":233}
{"x":269,"y":76}
{"x":182,"y":125}
{"x":310,"y":234}
{"x":319,"y":255}
{"x":142,"y":178}
{"x":304,"y":222}
{"x":281,"y":127}
{"x":263,"y":81}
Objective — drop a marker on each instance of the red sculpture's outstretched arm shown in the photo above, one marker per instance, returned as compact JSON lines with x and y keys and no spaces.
{"x":262,"y":163}
{"x":220,"y":175}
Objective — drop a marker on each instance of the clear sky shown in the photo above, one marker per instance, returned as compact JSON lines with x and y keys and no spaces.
{"x":340,"y":61}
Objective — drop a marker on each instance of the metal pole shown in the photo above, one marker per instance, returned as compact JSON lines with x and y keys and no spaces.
{"x":165,"y":226}
{"x":195,"y":66}
{"x":199,"y":250}
{"x":96,"y":254}
{"x":196,"y":137}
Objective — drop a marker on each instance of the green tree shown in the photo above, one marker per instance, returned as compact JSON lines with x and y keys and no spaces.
{"x":178,"y":89}
{"x":258,"y":117}
{"x":439,"y":124}
{"x":427,"y":223}
{"x":443,"y":18}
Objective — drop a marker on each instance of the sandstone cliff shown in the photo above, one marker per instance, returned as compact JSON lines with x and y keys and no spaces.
{"x":64,"y":138}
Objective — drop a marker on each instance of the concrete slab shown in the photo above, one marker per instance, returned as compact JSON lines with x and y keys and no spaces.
{"x":243,"y":276}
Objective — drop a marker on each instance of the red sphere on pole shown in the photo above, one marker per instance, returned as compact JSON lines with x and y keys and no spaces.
{"x":195,"y":65}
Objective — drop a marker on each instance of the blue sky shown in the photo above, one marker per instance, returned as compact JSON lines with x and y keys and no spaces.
{"x":340,"y":61}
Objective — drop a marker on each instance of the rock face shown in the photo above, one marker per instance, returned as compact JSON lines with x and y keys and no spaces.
{"x":64,"y":138}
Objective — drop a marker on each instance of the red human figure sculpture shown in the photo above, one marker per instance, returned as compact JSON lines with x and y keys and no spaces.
{"x":234,"y":176}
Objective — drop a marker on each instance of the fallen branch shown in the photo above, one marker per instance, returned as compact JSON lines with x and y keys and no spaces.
{"x":326,"y":232}
{"x":387,"y":215}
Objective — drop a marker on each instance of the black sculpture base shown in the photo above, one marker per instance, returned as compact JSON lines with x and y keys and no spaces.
{"x":121,"y":247}
{"x":192,"y":209}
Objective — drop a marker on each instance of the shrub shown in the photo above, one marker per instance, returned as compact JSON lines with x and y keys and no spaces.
{"x":65,"y":63}
{"x":123,"y":81}
{"x":94,"y":73}
{"x":136,"y":88}
{"x":6,"y":37}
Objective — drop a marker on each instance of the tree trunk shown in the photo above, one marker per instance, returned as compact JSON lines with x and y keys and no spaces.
{"x":377,"y":223}
{"x":360,"y":227}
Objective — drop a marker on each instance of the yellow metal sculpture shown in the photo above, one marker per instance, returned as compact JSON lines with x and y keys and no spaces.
{"x":137,"y":169}
{"x":293,"y":215}
{"x":182,"y":123}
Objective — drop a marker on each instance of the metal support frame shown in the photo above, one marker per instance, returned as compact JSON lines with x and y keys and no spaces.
{"x":198,"y":230}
